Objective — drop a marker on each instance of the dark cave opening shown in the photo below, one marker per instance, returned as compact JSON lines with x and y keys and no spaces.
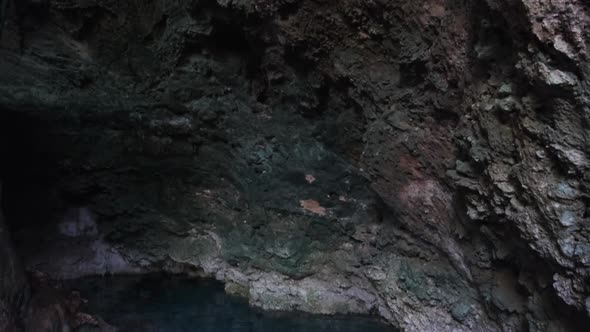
{"x":229,"y":37}
{"x":28,"y":170}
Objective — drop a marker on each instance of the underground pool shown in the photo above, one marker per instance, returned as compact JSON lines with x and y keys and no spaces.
{"x":156,"y":303}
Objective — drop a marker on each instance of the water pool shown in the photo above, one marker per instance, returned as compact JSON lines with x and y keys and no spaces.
{"x":158,"y":303}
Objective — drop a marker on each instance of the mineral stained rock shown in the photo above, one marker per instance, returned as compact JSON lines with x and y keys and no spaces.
{"x":424,"y":161}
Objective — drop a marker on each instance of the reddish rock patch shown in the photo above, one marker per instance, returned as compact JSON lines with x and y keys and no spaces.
{"x":313,"y":206}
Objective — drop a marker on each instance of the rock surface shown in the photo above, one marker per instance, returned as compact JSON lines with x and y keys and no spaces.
{"x":424,"y":161}
{"x":13,"y":285}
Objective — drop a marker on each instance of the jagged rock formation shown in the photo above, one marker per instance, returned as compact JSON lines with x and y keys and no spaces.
{"x":424,"y":161}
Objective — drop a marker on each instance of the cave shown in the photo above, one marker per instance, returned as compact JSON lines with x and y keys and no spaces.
{"x":298,"y":165}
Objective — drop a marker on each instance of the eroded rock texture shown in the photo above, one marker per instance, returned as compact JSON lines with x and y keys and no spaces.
{"x":425,"y":161}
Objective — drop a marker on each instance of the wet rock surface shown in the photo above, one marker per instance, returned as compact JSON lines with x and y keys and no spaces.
{"x":425,"y":161}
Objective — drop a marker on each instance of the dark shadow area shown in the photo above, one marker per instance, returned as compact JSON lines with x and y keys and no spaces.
{"x":413,"y":73}
{"x":28,"y":169}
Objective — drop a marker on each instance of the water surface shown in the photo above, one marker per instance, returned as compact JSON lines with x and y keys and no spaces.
{"x":178,"y":304}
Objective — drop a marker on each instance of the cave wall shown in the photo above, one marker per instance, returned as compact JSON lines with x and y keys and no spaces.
{"x":425,"y":161}
{"x":13,"y":283}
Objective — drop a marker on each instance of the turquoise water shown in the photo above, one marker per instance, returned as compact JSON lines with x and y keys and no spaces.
{"x":178,"y":304}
